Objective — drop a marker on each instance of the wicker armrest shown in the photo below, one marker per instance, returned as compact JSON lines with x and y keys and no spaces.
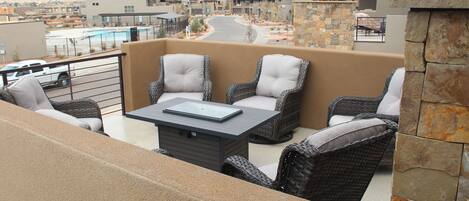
{"x":207,"y":90}
{"x":155,"y":90}
{"x":241,"y":91}
{"x":352,"y":106}
{"x":394,"y":118}
{"x":289,"y":100}
{"x":241,"y":168}
{"x":81,"y":108}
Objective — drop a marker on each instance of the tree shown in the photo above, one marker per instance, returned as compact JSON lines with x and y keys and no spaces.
{"x":73,"y":41}
{"x":250,"y":34}
{"x":161,"y":33}
{"x":195,"y":26}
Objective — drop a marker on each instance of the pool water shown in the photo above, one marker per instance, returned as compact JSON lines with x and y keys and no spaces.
{"x":85,"y":40}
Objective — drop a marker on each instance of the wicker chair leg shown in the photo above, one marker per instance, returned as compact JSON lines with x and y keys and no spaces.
{"x":256,"y":139}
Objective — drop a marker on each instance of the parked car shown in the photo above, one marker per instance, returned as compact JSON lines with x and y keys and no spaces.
{"x":53,"y":75}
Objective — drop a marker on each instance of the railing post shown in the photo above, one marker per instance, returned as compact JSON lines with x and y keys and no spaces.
{"x":66,"y":42}
{"x":356,"y":30}
{"x":383,"y":28}
{"x":4,"y":79}
{"x":121,"y":81}
{"x":75,"y":46}
{"x":101,"y":35}
{"x":89,"y":42}
{"x":70,"y":80}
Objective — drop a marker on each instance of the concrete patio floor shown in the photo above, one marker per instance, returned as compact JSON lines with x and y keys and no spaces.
{"x":144,"y":135}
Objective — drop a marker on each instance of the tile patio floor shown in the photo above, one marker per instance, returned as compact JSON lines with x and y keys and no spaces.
{"x":144,"y":135}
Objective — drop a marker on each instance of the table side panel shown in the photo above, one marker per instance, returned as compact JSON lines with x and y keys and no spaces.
{"x":203,"y":150}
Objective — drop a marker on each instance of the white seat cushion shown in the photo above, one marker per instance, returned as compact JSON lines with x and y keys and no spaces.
{"x":259,"y":102}
{"x":278,"y":73}
{"x":270,"y":170}
{"x":391,"y":103}
{"x":95,"y":124}
{"x":183,"y":72}
{"x":169,"y":96}
{"x":55,"y":114}
{"x":29,"y":94}
{"x":338,"y":119}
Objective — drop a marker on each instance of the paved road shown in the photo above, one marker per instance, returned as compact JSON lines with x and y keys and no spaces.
{"x":226,"y":29}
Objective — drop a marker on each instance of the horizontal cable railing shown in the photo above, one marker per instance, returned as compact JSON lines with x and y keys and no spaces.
{"x":370,"y":29}
{"x":98,"y":78}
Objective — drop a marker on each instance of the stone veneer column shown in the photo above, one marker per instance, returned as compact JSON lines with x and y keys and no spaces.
{"x":324,"y":23}
{"x":432,"y":152}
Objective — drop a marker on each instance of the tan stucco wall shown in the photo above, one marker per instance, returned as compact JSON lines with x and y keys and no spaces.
{"x":27,"y":39}
{"x":44,"y":159}
{"x":332,"y":72}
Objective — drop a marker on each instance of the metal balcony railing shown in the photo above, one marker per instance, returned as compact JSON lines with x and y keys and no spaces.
{"x":98,"y":78}
{"x":370,"y":29}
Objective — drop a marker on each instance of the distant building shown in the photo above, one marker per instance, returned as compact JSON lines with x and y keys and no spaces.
{"x":124,"y":12}
{"x":393,"y":25}
{"x":27,"y":11}
{"x":67,"y":9}
{"x":7,"y":10}
{"x":7,"y":14}
{"x":22,"y":40}
{"x":380,"y":8}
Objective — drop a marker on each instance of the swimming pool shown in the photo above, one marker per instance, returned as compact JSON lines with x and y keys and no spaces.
{"x":79,"y":41}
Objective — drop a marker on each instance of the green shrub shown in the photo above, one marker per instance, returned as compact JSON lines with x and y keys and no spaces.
{"x":198,"y":25}
{"x":195,"y":26}
{"x":161,"y":33}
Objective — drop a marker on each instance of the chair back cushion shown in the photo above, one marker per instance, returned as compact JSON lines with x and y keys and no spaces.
{"x":391,"y":103}
{"x":183,"y":72}
{"x":188,"y":95}
{"x":278,"y":73}
{"x":29,"y":94}
{"x":345,"y":134}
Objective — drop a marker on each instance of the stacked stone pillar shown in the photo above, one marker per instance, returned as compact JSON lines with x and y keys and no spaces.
{"x":432,"y":151}
{"x":324,"y":23}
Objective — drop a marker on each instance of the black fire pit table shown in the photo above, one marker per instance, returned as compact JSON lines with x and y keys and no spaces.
{"x":194,"y":136}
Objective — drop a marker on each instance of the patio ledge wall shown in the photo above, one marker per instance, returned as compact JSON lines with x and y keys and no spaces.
{"x":332,"y":72}
{"x":44,"y":159}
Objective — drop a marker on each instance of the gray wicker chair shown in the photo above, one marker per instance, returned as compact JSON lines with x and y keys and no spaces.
{"x":157,"y":88}
{"x":362,"y":108}
{"x":82,"y":108}
{"x":288,"y":104}
{"x":322,"y":169}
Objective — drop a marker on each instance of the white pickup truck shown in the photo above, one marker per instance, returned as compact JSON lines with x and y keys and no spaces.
{"x":47,"y":76}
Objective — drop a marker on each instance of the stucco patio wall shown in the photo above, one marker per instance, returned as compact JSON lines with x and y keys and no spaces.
{"x":332,"y":73}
